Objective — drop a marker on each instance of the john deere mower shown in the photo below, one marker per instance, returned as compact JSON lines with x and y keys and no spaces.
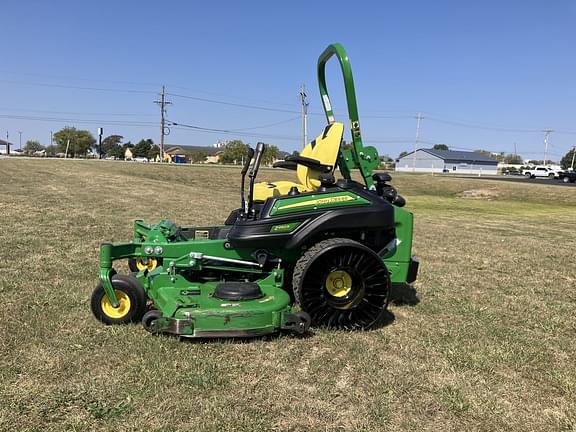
{"x":319,"y":251}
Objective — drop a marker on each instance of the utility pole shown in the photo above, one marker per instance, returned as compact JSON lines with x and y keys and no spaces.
{"x":418,"y":120}
{"x":7,"y":145}
{"x":100,"y":132}
{"x":20,"y":133}
{"x":304,"y":116}
{"x":162,"y":103}
{"x":547,"y":133}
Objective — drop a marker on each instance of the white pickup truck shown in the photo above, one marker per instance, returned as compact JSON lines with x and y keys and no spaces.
{"x":541,"y":171}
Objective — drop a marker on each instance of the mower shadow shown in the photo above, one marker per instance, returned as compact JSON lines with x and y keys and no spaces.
{"x":245,"y":340}
{"x":403,"y":295}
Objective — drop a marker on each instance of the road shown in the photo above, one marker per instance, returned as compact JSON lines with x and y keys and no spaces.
{"x":522,"y":179}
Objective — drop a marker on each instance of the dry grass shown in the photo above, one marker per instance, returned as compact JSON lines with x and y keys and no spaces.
{"x":490,"y":345}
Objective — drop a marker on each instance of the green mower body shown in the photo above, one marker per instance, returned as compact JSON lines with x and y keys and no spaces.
{"x":324,"y":254}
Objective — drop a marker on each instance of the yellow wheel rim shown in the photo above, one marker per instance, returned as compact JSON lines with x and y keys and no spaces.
{"x":338,"y":283}
{"x":150,"y":264}
{"x":123,"y":308}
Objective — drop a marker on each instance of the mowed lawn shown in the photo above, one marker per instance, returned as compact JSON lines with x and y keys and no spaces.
{"x":487,"y":344}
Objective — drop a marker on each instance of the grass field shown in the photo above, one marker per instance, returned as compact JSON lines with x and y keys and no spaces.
{"x":489,"y":343}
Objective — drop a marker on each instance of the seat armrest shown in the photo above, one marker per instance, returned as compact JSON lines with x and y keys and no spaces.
{"x":310,"y":163}
{"x":285,"y":164}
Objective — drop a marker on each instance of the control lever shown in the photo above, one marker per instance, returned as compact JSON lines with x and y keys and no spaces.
{"x":260,"y":148}
{"x":243,"y":207}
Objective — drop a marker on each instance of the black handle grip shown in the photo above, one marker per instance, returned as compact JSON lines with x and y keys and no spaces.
{"x":260,"y":148}
{"x":249,"y":157}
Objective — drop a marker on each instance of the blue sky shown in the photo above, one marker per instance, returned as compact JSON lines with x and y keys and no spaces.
{"x":489,"y":74}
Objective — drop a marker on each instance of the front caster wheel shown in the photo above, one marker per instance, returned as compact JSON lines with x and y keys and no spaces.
{"x":342,"y":284}
{"x":130,"y":295}
{"x":149,"y":319}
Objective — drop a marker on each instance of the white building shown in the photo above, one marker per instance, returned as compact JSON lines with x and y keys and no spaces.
{"x":447,"y":161}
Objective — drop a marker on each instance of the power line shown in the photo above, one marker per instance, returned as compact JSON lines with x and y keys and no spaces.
{"x":183,"y":126}
{"x":291,"y":119}
{"x":75,"y":112}
{"x":214,"y":101}
{"x":478,"y":126}
{"x":430,"y":117}
{"x":78,"y":87}
{"x":76,"y":120}
{"x":64,"y":77}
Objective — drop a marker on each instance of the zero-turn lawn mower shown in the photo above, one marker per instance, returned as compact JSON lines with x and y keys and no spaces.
{"x":321,"y":252}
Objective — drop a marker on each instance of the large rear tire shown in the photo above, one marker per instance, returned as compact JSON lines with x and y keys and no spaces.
{"x":342,"y":284}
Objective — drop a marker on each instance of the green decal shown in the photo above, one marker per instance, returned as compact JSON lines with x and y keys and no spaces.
{"x":287,"y":227}
{"x":314,"y":202}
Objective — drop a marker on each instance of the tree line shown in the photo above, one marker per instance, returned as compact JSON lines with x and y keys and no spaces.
{"x":75,"y":142}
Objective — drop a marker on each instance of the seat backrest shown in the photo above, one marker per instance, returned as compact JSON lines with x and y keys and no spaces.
{"x":325,"y":150}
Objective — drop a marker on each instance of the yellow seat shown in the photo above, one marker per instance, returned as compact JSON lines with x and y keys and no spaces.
{"x":324,"y":150}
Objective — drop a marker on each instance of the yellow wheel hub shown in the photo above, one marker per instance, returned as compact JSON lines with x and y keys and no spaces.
{"x":338,"y":283}
{"x":150,"y":264}
{"x":123,"y":308}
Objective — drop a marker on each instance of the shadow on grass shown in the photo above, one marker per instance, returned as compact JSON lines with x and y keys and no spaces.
{"x":242,"y":339}
{"x":403,"y":295}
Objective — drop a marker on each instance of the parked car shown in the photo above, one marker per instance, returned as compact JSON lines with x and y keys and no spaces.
{"x":541,"y":171}
{"x":567,"y":176}
{"x":140,"y":159}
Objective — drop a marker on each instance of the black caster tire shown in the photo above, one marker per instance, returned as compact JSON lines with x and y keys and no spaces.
{"x":148,"y":320}
{"x":132,"y":300}
{"x":305,"y":322}
{"x":342,"y":284}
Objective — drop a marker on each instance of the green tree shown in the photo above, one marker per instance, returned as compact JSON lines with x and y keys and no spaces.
{"x":198,"y":156}
{"x":440,"y":147}
{"x":568,"y":159}
{"x":512,"y":159}
{"x":111,"y":143}
{"x":270,"y":155}
{"x":484,"y":152}
{"x":234,"y":152}
{"x":80,"y":141}
{"x":143,"y":148}
{"x":32,"y":146}
{"x":154,"y":151}
{"x":386,"y":158}
{"x":51,"y":150}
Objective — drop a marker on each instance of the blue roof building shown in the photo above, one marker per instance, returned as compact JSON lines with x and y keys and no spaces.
{"x":447,"y":161}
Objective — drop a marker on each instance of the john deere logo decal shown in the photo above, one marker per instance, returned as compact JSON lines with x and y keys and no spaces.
{"x":319,"y":202}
